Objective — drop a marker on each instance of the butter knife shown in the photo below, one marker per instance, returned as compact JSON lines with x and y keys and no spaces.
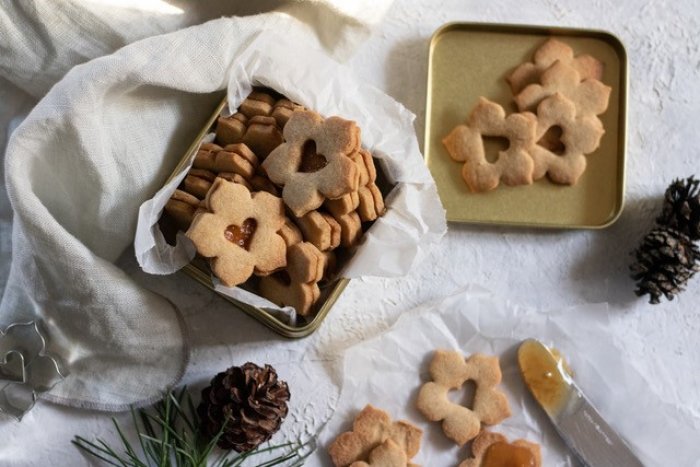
{"x":582,"y":428}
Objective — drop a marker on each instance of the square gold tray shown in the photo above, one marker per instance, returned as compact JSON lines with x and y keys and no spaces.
{"x":468,"y":60}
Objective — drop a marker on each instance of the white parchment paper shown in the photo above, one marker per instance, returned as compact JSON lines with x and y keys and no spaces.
{"x":388,"y":370}
{"x":415,"y":218}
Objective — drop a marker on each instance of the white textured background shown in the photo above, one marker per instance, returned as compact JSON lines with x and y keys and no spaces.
{"x":547,"y":270}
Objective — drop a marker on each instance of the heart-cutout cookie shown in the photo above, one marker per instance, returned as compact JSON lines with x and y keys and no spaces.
{"x":12,"y":368}
{"x":242,"y":235}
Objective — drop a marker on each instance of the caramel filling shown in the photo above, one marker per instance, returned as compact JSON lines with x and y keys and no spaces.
{"x":502,"y":454}
{"x":311,"y":161}
{"x":551,"y":140}
{"x":242,"y":235}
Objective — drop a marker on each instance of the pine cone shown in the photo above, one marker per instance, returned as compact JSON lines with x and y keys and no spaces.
{"x":681,"y":209}
{"x":665,"y":261}
{"x":248,"y":401}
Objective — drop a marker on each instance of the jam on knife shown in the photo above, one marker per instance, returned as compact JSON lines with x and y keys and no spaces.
{"x":589,"y":436}
{"x":545,"y":374}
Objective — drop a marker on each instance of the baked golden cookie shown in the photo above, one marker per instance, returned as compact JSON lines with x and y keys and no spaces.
{"x":514,"y":165}
{"x":196,"y":186}
{"x":343,"y":205}
{"x":371,"y":203}
{"x":449,"y":370}
{"x":321,"y":229}
{"x":239,"y":233}
{"x":552,"y":50}
{"x":283,"y":291}
{"x":185,"y":197}
{"x":350,"y":229}
{"x":230,"y":130}
{"x":491,"y":448}
{"x":262,"y":135}
{"x":305,"y":262}
{"x":282,"y":110}
{"x":297,"y":286}
{"x":290,"y":233}
{"x":590,"y":97}
{"x":257,"y":103}
{"x":313,"y":164}
{"x":181,"y":207}
{"x":236,"y":158}
{"x":365,"y":163}
{"x":580,"y":135}
{"x":371,"y":428}
{"x":204,"y":159}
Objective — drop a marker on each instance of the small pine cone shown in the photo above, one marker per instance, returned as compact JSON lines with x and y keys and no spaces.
{"x":681,"y":209}
{"x":249,"y":402}
{"x":665,"y":261}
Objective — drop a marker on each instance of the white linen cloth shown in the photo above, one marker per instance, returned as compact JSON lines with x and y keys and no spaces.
{"x":98,"y":144}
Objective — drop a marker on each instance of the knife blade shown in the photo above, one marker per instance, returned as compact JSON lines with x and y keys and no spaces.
{"x":579,"y":424}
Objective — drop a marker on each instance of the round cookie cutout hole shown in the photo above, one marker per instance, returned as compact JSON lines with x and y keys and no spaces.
{"x":243,"y":234}
{"x":493,"y":145}
{"x":463,"y":395}
{"x":311,"y":161}
{"x":551,"y":140}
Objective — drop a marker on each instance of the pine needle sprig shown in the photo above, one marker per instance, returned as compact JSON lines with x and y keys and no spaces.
{"x":169,"y":436}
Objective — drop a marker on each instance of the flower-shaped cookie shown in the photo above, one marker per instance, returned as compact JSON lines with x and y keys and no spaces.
{"x":589,"y":96}
{"x":514,"y":165}
{"x":371,"y":428}
{"x":529,"y":72}
{"x":580,"y":135}
{"x":240,"y":233}
{"x":495,"y":449}
{"x":449,"y":370}
{"x":313,"y":163}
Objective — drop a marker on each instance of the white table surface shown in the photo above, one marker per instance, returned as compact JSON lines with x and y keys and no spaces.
{"x":542,"y":269}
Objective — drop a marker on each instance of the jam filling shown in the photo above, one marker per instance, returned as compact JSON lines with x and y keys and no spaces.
{"x":242,"y":235}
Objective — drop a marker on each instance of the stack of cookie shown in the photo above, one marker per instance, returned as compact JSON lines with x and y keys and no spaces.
{"x":559,"y":97}
{"x":277,"y":197}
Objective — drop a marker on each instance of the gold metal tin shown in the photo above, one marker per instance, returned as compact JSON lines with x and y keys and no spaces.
{"x":199,"y":271}
{"x":468,"y":60}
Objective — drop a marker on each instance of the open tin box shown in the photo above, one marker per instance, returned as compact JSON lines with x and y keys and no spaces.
{"x":468,"y":60}
{"x":199,"y":269}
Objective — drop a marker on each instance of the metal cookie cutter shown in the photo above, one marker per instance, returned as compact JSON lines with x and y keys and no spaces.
{"x":25,"y":368}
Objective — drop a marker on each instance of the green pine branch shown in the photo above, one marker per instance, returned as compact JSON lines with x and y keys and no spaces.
{"x":168,"y":436}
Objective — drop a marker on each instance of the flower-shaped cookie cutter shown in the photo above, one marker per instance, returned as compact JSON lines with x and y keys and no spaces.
{"x":26,"y":370}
